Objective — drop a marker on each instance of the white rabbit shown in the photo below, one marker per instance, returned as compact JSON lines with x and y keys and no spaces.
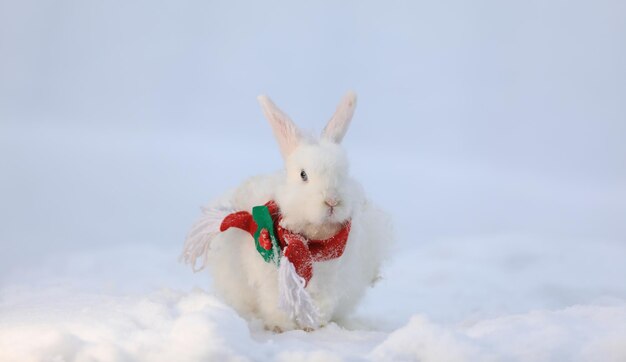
{"x":316,"y":197}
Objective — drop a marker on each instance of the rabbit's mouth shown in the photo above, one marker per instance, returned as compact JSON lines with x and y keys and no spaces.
{"x":332,"y":216}
{"x":337,"y":213}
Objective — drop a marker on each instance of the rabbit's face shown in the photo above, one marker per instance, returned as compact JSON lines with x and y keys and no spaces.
{"x":317,"y":189}
{"x":317,"y":195}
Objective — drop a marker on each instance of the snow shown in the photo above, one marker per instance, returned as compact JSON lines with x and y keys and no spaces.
{"x":440,"y":303}
{"x":579,"y":333}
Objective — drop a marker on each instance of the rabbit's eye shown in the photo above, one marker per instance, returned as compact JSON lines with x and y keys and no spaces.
{"x":304,"y":176}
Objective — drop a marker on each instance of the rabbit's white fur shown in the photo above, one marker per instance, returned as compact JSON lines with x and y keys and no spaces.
{"x":249,"y":283}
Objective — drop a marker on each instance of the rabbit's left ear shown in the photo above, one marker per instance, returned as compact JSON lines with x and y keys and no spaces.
{"x":338,"y":124}
{"x":286,"y":133}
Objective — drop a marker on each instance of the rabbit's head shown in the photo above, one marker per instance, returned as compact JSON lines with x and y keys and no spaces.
{"x":317,"y":195}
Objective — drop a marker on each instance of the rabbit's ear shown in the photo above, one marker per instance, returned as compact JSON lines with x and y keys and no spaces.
{"x":285,"y":131}
{"x":338,"y":124}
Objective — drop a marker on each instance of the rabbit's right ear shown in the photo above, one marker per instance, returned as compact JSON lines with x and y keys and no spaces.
{"x":285,"y":131}
{"x":338,"y":125}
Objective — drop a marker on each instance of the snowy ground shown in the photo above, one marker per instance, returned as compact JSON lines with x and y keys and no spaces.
{"x":492,"y":298}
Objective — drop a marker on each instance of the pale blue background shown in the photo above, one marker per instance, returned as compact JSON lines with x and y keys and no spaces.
{"x":118,"y":119}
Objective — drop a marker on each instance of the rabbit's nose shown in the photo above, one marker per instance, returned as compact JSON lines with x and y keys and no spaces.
{"x":332,"y":202}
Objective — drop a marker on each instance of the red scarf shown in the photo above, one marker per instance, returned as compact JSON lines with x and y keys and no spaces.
{"x":300,"y":252}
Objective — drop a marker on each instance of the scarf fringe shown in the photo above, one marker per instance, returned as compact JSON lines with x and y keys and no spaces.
{"x":198,"y":241}
{"x":294,"y":299}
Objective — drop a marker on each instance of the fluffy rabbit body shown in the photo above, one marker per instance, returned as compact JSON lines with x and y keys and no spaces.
{"x":316,"y":197}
